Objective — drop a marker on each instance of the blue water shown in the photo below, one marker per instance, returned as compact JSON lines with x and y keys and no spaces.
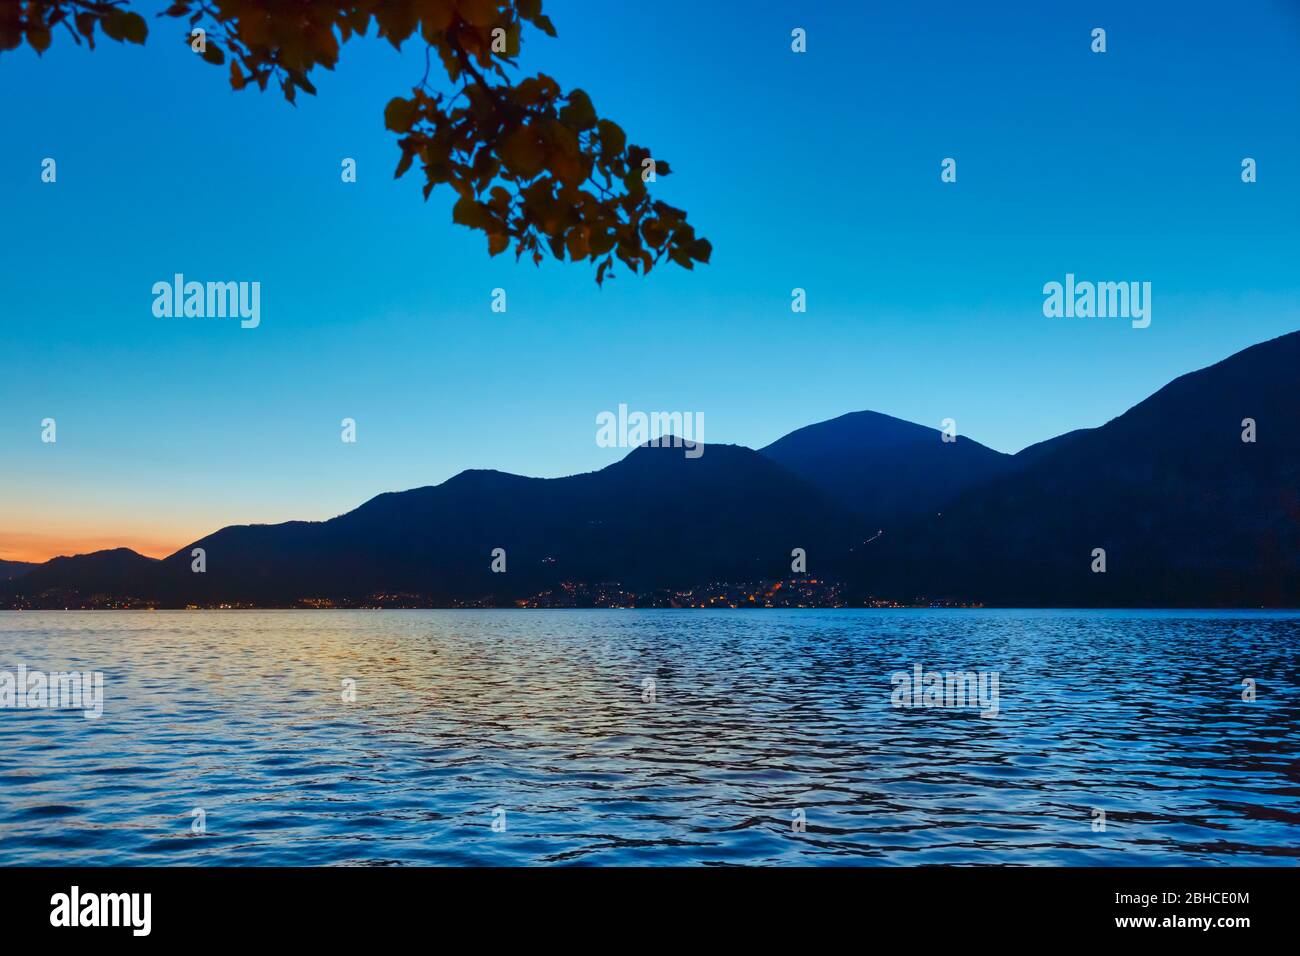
{"x":756,"y":715}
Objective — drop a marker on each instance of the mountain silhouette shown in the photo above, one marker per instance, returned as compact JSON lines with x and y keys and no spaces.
{"x":1187,"y":513}
{"x":883,"y":468}
{"x":653,"y":520}
{"x":117,"y":571}
{"x":14,"y":569}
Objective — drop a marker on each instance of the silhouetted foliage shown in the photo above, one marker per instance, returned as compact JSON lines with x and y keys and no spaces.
{"x":531,"y":164}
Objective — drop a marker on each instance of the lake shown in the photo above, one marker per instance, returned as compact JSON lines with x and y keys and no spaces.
{"x":655,"y":737}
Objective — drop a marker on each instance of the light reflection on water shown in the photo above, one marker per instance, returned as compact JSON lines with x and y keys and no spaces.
{"x":757,"y":714}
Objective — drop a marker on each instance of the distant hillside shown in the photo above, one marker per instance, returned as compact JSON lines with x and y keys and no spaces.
{"x":885,"y":469}
{"x":653,"y":520}
{"x":1188,"y":515}
{"x":1187,"y":512}
{"x":119,"y":571}
{"x":14,"y":569}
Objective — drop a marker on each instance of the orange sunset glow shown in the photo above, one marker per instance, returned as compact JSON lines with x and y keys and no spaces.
{"x":37,"y":546}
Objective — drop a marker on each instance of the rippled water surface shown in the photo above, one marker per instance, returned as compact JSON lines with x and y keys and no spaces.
{"x":756,"y":715}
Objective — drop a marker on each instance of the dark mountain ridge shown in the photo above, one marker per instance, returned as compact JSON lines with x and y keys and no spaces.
{"x":1188,"y":515}
{"x":1186,"y":511}
{"x":653,"y":520}
{"x":14,"y":569}
{"x":883,"y":468}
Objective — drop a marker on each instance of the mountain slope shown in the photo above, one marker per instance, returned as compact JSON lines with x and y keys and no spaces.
{"x":652,"y":520}
{"x":1187,"y":513}
{"x":883,"y":468}
{"x":118,"y":572}
{"x":14,"y":569}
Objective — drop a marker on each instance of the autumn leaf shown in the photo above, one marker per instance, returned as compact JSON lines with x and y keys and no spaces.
{"x":612,"y":138}
{"x":523,"y":152}
{"x":122,"y":25}
{"x":399,"y":115}
{"x":39,"y":38}
{"x":480,"y":13}
{"x":435,"y":17}
{"x":579,"y":113}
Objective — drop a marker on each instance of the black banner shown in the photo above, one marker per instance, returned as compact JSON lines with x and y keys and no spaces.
{"x":585,"y":904}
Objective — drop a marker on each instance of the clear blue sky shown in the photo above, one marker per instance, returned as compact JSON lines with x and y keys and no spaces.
{"x":818,"y":170}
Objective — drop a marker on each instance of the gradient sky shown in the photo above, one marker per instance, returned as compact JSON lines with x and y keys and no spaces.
{"x":818,"y":170}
